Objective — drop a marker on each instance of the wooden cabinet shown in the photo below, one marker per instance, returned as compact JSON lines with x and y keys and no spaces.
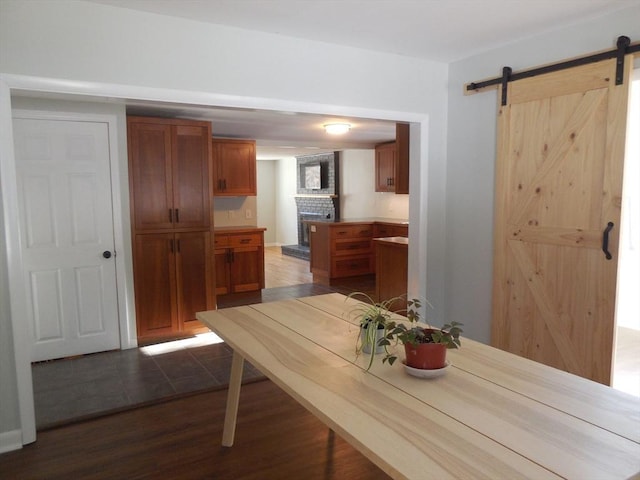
{"x":385,"y":167}
{"x":346,"y":249}
{"x":239,"y":260}
{"x":340,"y":250}
{"x":234,"y":167}
{"x":169,"y":172}
{"x":351,"y":250}
{"x":173,"y":281}
{"x":390,"y":230}
{"x":392,"y":163}
{"x":170,"y":193}
{"x":391,"y":268}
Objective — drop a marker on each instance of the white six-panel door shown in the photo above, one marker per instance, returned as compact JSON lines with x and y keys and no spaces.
{"x":66,"y":231}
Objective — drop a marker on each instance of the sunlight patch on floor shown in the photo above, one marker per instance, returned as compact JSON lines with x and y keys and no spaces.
{"x":199,"y":340}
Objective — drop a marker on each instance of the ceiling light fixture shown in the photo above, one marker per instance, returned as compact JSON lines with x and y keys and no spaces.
{"x":337,"y":128}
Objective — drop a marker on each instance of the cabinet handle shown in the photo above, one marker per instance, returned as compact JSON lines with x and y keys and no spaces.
{"x":171,"y":245}
{"x":177,"y":215}
{"x":224,"y":184}
{"x":245,"y":240}
{"x":170,"y":215}
{"x":178,"y":245}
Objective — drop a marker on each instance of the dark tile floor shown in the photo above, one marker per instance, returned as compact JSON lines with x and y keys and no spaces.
{"x":81,"y":387}
{"x":75,"y":388}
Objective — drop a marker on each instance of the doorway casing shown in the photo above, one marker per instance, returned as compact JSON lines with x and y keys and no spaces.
{"x":9,"y":82}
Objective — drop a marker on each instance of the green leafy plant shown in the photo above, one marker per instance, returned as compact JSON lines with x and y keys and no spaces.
{"x":376,"y":316}
{"x":448,"y":335}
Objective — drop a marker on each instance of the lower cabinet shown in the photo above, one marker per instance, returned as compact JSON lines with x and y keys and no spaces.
{"x":173,"y":280}
{"x":239,"y":261}
{"x":391,"y":269}
{"x":345,"y":249}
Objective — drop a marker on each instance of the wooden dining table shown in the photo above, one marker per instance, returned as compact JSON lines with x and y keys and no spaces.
{"x":491,"y":415}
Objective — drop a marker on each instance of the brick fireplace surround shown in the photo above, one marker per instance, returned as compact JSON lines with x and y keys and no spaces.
{"x":315,"y":203}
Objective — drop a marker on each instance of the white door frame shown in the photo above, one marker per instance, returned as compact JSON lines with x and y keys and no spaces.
{"x":417,"y":208}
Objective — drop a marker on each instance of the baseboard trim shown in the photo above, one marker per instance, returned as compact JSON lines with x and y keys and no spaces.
{"x":10,"y":441}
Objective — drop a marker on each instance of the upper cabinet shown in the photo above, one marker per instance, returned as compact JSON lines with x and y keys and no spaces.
{"x":234,"y":167}
{"x":385,"y":167}
{"x":392,"y":163}
{"x":169,"y":173}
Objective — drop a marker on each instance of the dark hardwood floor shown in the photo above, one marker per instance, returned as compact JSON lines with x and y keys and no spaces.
{"x":276,"y":438}
{"x":179,"y":438}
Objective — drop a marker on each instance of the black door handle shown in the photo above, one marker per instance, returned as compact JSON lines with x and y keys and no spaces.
{"x":605,"y":241}
{"x":106,"y":254}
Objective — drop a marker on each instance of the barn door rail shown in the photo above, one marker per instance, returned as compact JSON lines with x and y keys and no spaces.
{"x":623,"y":47}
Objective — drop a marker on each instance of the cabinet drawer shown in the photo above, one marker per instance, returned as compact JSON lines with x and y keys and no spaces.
{"x":352,"y":247}
{"x":352,"y":231}
{"x":349,"y":266}
{"x":400,"y":231}
{"x":245,"y":240}
{"x":391,"y":231}
{"x":220,"y":241}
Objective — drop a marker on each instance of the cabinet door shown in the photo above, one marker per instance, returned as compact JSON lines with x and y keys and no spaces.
{"x":194,"y":277}
{"x":247,"y":269}
{"x":235,"y":167}
{"x":155,"y":284}
{"x":401,"y":184}
{"x":191,"y":151}
{"x":385,"y":167}
{"x":223,"y":282}
{"x":391,"y":272}
{"x":150,"y":172}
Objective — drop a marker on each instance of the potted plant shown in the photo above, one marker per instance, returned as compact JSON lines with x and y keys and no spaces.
{"x":425,"y":347}
{"x":374,"y":318}
{"x":376,"y":323}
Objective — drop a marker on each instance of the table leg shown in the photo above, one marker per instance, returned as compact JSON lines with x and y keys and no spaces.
{"x":233,"y":398}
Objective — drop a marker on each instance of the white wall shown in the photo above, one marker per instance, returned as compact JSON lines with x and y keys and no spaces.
{"x":266,"y":200}
{"x":286,"y":182}
{"x":235,"y":211}
{"x":471,"y":153}
{"x":9,"y":412}
{"x":358,"y":198}
{"x":87,"y":47}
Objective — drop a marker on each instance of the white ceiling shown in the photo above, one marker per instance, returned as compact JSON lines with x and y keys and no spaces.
{"x":439,"y":30}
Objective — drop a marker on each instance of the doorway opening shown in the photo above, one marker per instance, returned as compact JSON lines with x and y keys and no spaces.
{"x":626,"y":375}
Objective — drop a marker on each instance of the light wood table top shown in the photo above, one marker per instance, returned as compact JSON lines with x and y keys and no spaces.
{"x":492,"y":415}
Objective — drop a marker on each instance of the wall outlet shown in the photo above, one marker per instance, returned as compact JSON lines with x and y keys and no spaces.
{"x":231,"y":214}
{"x":248,"y":213}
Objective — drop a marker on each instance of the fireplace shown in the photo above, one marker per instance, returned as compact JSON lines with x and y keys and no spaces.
{"x":316,"y":199}
{"x":303,"y":228}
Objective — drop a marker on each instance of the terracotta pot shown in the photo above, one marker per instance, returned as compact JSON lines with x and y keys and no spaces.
{"x":426,"y":356}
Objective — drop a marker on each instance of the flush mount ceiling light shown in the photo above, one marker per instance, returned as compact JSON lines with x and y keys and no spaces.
{"x":337,"y":128}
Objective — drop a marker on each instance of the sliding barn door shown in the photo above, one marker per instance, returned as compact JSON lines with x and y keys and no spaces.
{"x":560,"y":154}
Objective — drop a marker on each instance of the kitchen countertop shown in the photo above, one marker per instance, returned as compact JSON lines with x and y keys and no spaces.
{"x":238,"y":229}
{"x":393,"y":240}
{"x":390,"y":221}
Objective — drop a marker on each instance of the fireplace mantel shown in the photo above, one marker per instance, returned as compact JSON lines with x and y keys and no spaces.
{"x":319,"y":195}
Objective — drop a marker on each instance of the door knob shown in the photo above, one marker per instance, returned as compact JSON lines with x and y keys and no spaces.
{"x":106,"y":254}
